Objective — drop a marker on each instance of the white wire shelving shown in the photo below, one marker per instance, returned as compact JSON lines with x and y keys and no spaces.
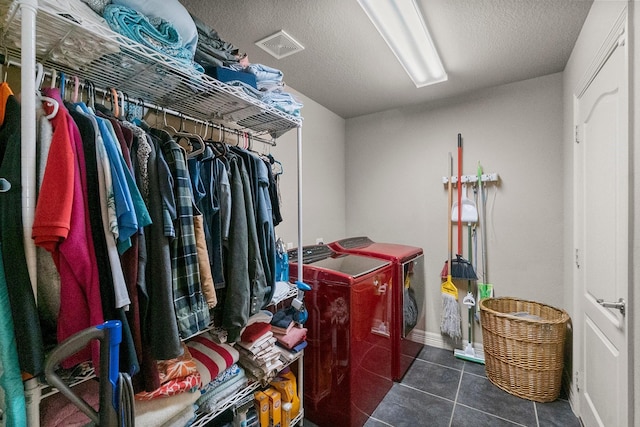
{"x":71,"y":42}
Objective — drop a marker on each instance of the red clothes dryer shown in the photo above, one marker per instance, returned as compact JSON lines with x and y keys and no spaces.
{"x":407,"y":289}
{"x":347,"y":361}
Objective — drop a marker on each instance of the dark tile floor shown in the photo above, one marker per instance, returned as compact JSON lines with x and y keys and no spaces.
{"x":441,"y":390}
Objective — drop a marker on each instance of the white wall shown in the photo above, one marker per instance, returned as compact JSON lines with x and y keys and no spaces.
{"x":323,"y":178}
{"x":396,"y":161}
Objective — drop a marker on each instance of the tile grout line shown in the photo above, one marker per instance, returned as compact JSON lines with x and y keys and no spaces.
{"x":455,"y":401}
{"x":453,"y":368}
{"x":535,"y":411}
{"x":515,"y":423}
{"x":380,"y":421}
{"x":426,"y":392}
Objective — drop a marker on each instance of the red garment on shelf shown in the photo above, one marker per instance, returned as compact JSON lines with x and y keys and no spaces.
{"x":254,"y":331}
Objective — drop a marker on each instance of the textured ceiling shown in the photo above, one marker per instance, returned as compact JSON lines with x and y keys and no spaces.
{"x":347,"y":67}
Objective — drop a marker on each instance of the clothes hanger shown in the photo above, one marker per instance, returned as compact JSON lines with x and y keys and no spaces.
{"x":167,"y":126}
{"x":48,"y":102}
{"x":115,"y":106}
{"x":182,"y":135}
{"x":276,"y":166}
{"x":279,"y":169}
{"x":157,"y":114}
{"x":123,"y":107}
{"x":63,"y":80}
{"x":91,"y":96}
{"x":76,"y":85}
{"x":199,"y":140}
{"x":54,"y":77}
{"x":5,"y":66}
{"x":104,"y":96}
{"x":206,"y":130}
{"x":138,"y":120}
{"x":218,"y":146}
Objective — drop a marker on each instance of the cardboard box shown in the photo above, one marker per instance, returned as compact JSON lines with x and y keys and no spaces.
{"x":275,"y":409}
{"x":287,"y":385}
{"x":286,"y":414}
{"x":262,"y":408}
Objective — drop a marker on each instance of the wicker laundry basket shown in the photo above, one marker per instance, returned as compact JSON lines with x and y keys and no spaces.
{"x":524,"y":346}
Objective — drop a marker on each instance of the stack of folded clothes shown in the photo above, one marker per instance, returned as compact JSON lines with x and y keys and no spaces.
{"x":258,"y":353}
{"x":169,"y":411}
{"x":179,"y":378}
{"x":286,"y":332}
{"x":176,"y":376}
{"x":221,"y":377}
{"x":269,"y":87}
{"x":142,"y":23}
{"x":212,"y":51}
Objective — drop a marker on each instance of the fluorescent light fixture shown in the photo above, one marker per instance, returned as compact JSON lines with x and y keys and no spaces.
{"x":401,"y":25}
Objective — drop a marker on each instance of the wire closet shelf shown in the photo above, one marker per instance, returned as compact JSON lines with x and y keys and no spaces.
{"x":94,"y":52}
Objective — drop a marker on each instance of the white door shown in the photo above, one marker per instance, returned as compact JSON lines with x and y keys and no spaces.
{"x":602,"y":200}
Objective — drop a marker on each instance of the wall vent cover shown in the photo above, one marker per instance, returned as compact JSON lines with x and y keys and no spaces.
{"x":280,"y":45}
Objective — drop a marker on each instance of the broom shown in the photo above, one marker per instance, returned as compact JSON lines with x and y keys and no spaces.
{"x":450,"y":319}
{"x":485,"y":289}
{"x":460,"y":267}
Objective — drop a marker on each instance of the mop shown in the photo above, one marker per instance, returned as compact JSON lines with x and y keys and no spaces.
{"x":450,"y":319}
{"x":470,"y":216}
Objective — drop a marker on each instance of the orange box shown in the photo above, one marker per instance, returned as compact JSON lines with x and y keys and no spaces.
{"x":262,"y":407}
{"x":275,"y":410}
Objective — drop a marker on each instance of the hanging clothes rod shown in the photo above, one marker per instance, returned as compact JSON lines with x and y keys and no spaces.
{"x":240,"y":135}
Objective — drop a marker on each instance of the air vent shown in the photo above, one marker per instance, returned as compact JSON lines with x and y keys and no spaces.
{"x":280,"y":45}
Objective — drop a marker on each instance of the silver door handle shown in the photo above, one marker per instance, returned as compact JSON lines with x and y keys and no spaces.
{"x":620,"y":305}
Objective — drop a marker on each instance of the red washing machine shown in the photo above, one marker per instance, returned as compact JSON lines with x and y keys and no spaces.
{"x":407,"y":289}
{"x":347,"y":361}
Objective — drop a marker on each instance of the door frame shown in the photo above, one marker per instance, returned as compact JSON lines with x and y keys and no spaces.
{"x":618,"y":36}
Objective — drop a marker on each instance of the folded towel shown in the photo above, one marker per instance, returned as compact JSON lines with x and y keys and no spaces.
{"x":171,"y":387}
{"x":283,"y":101}
{"x":170,"y":11}
{"x":221,"y":378}
{"x":255,"y":331}
{"x":283,"y":317}
{"x":156,"y":34}
{"x":179,"y":367}
{"x":294,"y":337}
{"x":299,"y":347}
{"x":255,"y":347}
{"x":156,"y":412}
{"x":210,"y":402}
{"x":211,"y":358}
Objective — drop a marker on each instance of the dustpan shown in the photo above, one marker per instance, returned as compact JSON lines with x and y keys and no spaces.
{"x":467,"y":207}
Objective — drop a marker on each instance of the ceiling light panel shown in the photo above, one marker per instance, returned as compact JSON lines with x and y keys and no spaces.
{"x":402,"y":26}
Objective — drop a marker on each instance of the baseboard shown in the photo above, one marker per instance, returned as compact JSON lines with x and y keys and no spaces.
{"x":437,"y":340}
